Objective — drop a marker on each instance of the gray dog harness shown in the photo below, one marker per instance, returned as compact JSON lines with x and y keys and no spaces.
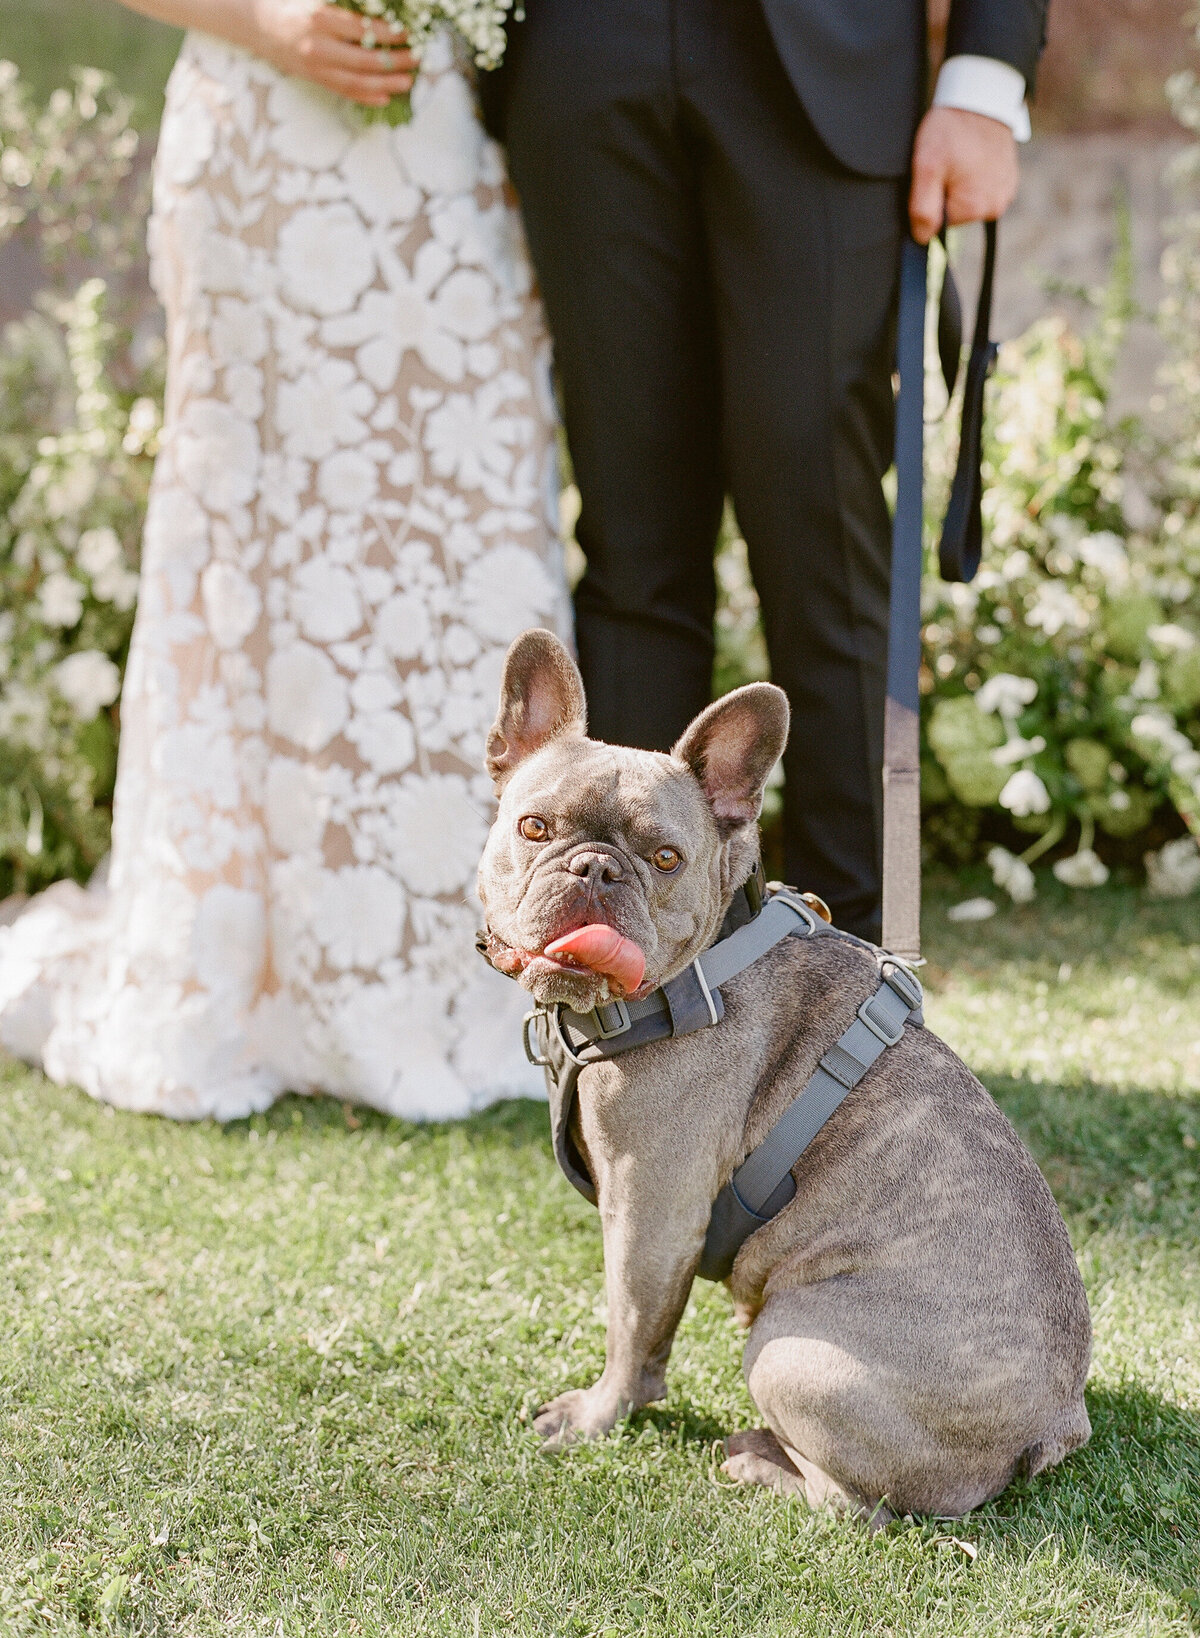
{"x":563,"y":1042}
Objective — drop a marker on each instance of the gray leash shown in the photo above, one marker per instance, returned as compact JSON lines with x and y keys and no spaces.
{"x":566,"y":1042}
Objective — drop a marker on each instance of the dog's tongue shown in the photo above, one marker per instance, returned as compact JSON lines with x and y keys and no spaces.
{"x":603,"y":950}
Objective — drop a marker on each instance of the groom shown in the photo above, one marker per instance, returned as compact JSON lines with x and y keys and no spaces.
{"x":715,"y":193}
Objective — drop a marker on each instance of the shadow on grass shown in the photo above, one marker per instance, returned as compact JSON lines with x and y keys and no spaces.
{"x":683,"y":1422}
{"x":1112,"y":1157}
{"x":1116,"y":1159}
{"x":1130,"y":1498}
{"x":517,"y":1123}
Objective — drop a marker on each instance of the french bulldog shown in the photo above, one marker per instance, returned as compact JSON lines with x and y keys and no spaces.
{"x":918,"y":1330}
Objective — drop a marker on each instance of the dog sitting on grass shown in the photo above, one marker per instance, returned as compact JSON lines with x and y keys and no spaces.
{"x":918,"y":1331}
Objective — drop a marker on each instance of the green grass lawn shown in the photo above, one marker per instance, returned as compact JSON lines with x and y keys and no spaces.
{"x":276,"y":1377}
{"x":46,"y":38}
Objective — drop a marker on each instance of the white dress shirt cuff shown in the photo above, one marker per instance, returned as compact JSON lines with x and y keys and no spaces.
{"x":985,"y":85}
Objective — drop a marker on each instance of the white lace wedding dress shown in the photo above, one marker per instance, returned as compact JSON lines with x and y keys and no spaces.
{"x":352,"y":515}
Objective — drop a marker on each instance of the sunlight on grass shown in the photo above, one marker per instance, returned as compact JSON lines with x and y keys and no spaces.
{"x":275,"y":1377}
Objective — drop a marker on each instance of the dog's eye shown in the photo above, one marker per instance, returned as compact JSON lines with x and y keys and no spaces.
{"x":534,"y":828}
{"x":666,"y":860}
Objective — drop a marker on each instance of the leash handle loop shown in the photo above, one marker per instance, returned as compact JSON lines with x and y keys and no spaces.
{"x":961,"y":544}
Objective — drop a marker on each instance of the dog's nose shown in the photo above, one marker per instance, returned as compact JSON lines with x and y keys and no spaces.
{"x":596,"y":867}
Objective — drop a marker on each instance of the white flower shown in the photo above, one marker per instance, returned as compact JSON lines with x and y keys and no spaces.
{"x":98,"y":549}
{"x":326,"y":258}
{"x":1158,"y":731}
{"x":60,"y":600}
{"x":1012,"y":874}
{"x":1082,"y":869}
{"x":87,"y":681}
{"x":971,"y":910}
{"x":403,"y":625}
{"x":1105,"y":552}
{"x":1054,"y":607}
{"x":489,"y":238}
{"x":384,"y":739}
{"x":238,"y":333}
{"x":216,"y":454}
{"x":325,"y":601}
{"x":323,"y":408}
{"x":1175,"y":639}
{"x":1174,"y":871}
{"x":375,"y":179}
{"x":306,"y":696}
{"x":244,"y":390}
{"x":232,"y":604}
{"x":199,"y":753}
{"x":1006,"y":694}
{"x":210,"y":261}
{"x":506,"y":591}
{"x":398,"y":1039}
{"x":348,"y":481}
{"x":468,"y":440}
{"x":186,"y":145}
{"x":173,"y":515}
{"x":99,"y":554}
{"x":1017,"y":750}
{"x":1147,"y":685}
{"x":304,"y":125}
{"x":406,"y":317}
{"x":296,"y":807}
{"x":1025,"y":794}
{"x":442,"y":147}
{"x":435,"y":833}
{"x":358,"y":915}
{"x":229,"y":942}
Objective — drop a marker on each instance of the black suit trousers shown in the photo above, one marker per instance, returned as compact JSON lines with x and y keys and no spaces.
{"x":722,"y":297}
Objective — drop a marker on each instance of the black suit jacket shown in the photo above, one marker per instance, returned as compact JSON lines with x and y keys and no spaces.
{"x":859,"y":66}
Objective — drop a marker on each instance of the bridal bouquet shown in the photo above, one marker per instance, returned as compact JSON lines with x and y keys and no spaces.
{"x":480,"y":24}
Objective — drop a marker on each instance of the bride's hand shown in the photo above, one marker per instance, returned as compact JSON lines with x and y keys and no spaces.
{"x":324,"y":44}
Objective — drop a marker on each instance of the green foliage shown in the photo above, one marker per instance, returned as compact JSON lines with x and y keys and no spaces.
{"x":79,"y":420}
{"x":44,"y":37}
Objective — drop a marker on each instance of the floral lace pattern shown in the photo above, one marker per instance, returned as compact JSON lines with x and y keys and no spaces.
{"x":351,"y":517}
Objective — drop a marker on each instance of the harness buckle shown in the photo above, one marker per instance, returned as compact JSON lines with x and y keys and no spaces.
{"x":877,"y":1029}
{"x":530,"y":1021}
{"x":622,"y":1024}
{"x":899,"y":976}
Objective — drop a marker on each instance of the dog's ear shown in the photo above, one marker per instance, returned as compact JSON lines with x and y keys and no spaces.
{"x":541,"y":697}
{"x":731,"y":748}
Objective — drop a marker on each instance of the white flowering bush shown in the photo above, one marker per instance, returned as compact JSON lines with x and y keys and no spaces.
{"x":79,"y":417}
{"x":1062,"y":686}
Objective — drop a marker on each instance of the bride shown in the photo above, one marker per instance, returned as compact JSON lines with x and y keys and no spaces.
{"x":351,"y":517}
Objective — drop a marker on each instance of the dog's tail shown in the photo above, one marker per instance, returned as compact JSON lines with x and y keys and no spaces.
{"x":1066,"y":1433}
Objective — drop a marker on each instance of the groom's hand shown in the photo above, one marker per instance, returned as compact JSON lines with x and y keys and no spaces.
{"x":964,"y":170}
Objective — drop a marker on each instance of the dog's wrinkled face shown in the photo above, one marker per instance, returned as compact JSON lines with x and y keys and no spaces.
{"x":608,"y":869}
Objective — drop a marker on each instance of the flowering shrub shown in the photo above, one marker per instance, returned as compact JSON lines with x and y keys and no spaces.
{"x":1063,"y":684}
{"x":79,"y":418}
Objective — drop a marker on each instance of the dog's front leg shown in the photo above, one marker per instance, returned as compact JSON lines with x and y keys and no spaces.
{"x":653,"y":1234}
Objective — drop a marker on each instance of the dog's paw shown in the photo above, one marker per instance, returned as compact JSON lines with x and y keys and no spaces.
{"x":755,"y":1456}
{"x":574,"y":1416}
